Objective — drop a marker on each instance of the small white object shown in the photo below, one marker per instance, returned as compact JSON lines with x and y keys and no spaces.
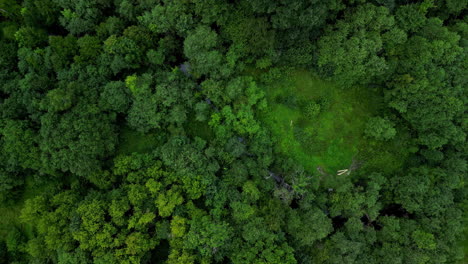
{"x":341,"y":172}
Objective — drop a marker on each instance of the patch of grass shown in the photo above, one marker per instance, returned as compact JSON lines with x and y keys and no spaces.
{"x":134,"y":141}
{"x":199,"y":129}
{"x":9,"y":219}
{"x":334,"y":136}
{"x":10,"y":212}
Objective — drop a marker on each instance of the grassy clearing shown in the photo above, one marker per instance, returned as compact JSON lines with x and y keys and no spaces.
{"x":134,"y":141}
{"x":333,"y":136}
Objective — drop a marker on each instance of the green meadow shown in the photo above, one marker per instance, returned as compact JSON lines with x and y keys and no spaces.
{"x":322,"y":125}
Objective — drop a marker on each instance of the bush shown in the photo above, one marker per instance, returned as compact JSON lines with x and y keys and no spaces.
{"x":380,"y":128}
{"x":312,"y":109}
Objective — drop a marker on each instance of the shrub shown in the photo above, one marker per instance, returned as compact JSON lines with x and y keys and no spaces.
{"x":312,"y":109}
{"x":380,"y":128}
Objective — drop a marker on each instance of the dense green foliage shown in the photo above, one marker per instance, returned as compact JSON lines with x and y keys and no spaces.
{"x":247,"y":131}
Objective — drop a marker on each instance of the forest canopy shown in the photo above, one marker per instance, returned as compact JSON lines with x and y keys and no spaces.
{"x":246,"y":131}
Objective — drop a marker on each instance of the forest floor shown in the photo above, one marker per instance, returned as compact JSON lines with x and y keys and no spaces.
{"x":334,"y":137}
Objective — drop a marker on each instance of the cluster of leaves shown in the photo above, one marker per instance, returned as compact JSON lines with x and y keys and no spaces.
{"x":312,"y":109}
{"x":213,"y":189}
{"x":380,"y":128}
